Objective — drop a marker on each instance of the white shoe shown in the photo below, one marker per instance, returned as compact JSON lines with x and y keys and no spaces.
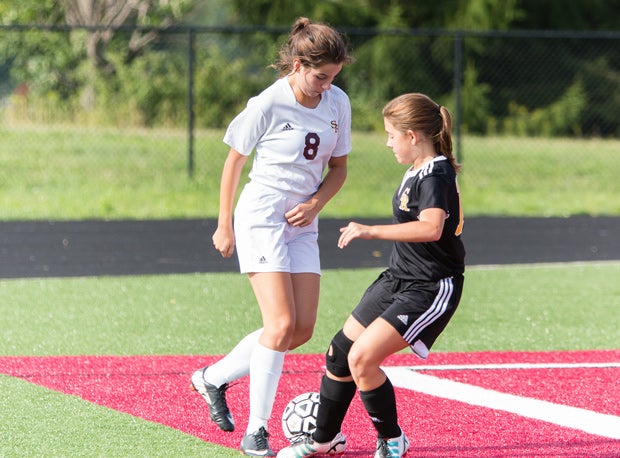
{"x":306,"y":446}
{"x":392,"y":448}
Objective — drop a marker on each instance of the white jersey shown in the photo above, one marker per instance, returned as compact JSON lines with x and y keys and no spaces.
{"x":293,"y":143}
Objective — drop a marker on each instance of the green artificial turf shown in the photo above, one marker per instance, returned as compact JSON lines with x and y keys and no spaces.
{"x":554,"y":307}
{"x":37,"y":422}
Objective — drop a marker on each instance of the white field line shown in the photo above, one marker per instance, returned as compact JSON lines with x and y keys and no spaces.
{"x":536,"y":265}
{"x":562,"y":415}
{"x":477,"y":367}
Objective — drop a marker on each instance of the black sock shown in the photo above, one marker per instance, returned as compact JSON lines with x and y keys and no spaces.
{"x":335,"y":400}
{"x":380,"y":404}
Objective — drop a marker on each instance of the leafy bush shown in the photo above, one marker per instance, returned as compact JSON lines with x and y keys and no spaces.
{"x":224,"y":84}
{"x":559,"y":118}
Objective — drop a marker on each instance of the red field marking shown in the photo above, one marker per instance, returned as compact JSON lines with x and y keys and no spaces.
{"x":156,"y":388}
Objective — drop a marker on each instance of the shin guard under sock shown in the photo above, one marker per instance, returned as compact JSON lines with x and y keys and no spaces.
{"x":235,"y":364}
{"x":265,"y":371}
{"x":380,"y":404}
{"x":336,"y":398}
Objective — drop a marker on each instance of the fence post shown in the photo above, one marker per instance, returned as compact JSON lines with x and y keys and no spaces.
{"x":190,"y":102}
{"x":458,"y":78}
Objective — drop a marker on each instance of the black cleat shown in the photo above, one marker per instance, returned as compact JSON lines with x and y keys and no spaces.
{"x":216,"y":400}
{"x":256,"y":444}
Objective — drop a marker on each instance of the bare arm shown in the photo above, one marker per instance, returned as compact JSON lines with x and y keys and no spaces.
{"x":427,"y":229}
{"x":224,"y":237}
{"x":304,"y":213}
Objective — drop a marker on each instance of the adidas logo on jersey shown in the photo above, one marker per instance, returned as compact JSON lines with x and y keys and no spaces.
{"x":403,"y":318}
{"x":287,"y":126}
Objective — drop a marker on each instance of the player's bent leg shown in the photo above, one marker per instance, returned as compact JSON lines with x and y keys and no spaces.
{"x":274,"y":294}
{"x":335,"y":399}
{"x":380,"y":404}
{"x":306,"y":295}
{"x":337,"y":355}
{"x":337,"y":391}
{"x":378,"y":341}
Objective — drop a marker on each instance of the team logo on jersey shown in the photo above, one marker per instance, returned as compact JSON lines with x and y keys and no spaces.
{"x":404,"y":200}
{"x":287,"y":126}
{"x":334,"y":125}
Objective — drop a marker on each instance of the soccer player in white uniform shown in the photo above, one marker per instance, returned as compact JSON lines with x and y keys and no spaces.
{"x":412,"y":301}
{"x":299,"y":127}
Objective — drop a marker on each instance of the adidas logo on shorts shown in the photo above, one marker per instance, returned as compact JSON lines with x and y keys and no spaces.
{"x":262,"y":260}
{"x":403,"y":318}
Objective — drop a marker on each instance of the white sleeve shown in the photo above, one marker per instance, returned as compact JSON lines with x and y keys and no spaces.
{"x":247,"y":128}
{"x":343,"y":144}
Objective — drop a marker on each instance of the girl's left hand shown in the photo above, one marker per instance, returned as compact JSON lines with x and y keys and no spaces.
{"x":301,"y":215}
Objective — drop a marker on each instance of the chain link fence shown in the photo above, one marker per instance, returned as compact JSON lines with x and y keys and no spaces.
{"x":535,"y":117}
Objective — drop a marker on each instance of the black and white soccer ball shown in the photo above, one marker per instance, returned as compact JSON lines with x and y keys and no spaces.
{"x":299,"y":416}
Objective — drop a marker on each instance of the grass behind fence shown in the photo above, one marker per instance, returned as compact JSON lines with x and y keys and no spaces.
{"x":68,"y":173}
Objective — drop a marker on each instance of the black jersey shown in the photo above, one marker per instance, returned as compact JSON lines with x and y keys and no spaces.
{"x":432,"y":186}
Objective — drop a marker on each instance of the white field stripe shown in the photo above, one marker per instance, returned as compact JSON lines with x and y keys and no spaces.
{"x":562,"y":415}
{"x":477,"y":367}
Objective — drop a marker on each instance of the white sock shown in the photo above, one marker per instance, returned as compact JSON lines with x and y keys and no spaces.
{"x":235,"y":364}
{"x":265,"y":370}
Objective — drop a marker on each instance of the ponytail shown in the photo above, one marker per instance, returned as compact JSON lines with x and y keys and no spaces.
{"x":419,"y":112}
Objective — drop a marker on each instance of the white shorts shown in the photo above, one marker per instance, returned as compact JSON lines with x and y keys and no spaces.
{"x":265,"y":241}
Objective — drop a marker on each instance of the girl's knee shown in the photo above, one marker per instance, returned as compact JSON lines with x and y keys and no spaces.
{"x":278,"y":335}
{"x":357,"y":362}
{"x":302,"y":335}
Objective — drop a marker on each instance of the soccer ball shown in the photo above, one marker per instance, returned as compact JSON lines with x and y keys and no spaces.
{"x":299,"y":416}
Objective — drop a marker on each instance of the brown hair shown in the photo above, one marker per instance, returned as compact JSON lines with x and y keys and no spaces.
{"x":418,"y":112}
{"x":314,"y":44}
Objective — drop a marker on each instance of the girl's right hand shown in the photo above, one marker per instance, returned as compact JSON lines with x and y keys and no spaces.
{"x":224,"y":241}
{"x":353,"y":231}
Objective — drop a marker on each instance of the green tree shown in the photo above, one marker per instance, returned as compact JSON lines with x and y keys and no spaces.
{"x":124,"y":57}
{"x":568,"y":15}
{"x":71,"y":69}
{"x":103,"y":17}
{"x":61,"y":53}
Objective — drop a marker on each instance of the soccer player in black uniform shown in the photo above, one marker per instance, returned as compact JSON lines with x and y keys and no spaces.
{"x":411,"y":302}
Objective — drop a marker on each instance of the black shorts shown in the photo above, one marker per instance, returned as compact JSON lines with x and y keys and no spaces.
{"x":418,"y":310}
